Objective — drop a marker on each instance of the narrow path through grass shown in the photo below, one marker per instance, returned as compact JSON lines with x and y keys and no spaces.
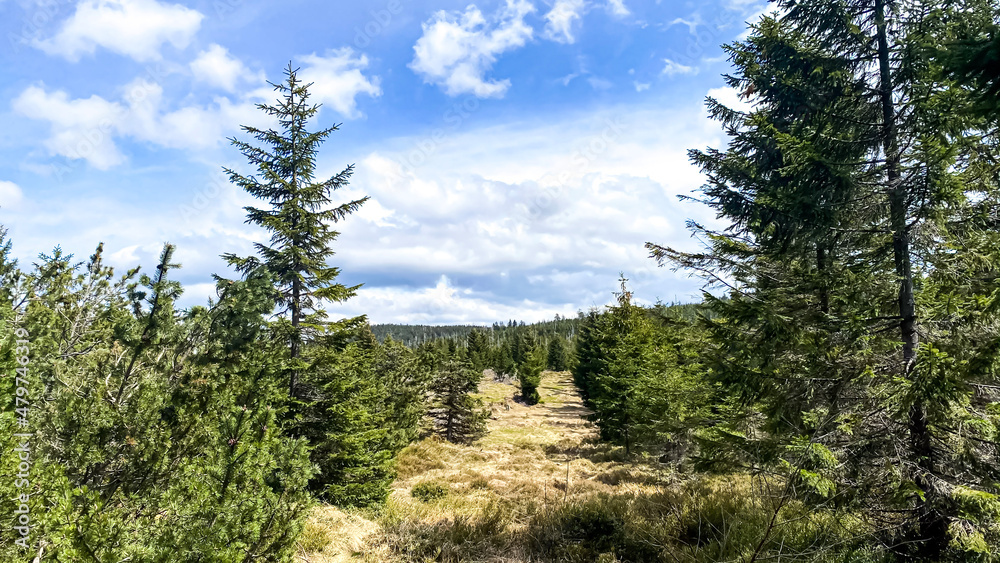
{"x":521,"y":462}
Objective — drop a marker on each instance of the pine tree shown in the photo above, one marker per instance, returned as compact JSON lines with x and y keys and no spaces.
{"x":407,"y":382}
{"x":299,"y":212}
{"x":529,"y":373}
{"x":156,"y":429}
{"x":350,"y":425}
{"x":851,"y":156}
{"x":458,"y":417}
{"x":478,"y":348}
{"x":589,"y":356}
{"x":557,"y":356}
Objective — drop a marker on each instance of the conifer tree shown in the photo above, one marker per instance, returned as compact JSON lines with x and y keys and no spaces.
{"x":478,"y":348}
{"x":407,"y":382}
{"x":299,"y":211}
{"x":589,"y":356}
{"x":350,"y":425}
{"x":156,"y":434}
{"x":458,"y":417}
{"x":853,"y":154}
{"x":529,"y":373}
{"x":557,"y":356}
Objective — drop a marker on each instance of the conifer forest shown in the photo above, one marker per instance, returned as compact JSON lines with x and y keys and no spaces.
{"x":833,"y":395}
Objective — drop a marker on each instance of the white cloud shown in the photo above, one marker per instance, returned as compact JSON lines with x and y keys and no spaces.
{"x":457,"y":50}
{"x":671,"y":68}
{"x":559,"y":20}
{"x":81,"y":128}
{"x":730,"y":98}
{"x":218,"y":68}
{"x":133,"y":28}
{"x":618,"y":8}
{"x":338,"y":80}
{"x":524,"y":219}
{"x":599,"y":83}
{"x":443,"y":303}
{"x":10,"y":195}
{"x":86,"y":128}
{"x":640,"y":86}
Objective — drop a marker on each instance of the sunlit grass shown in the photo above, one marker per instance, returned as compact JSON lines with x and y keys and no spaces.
{"x":509,"y":498}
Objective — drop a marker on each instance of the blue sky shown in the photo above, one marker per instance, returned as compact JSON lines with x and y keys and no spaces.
{"x":518,"y":152}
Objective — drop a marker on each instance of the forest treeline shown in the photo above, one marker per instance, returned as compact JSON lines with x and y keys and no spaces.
{"x":845,"y":356}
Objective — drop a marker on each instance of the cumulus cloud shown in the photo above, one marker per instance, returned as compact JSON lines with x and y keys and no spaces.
{"x":86,"y":128}
{"x":457,"y":50}
{"x":338,"y":80}
{"x":525,"y":220}
{"x":672,"y":68}
{"x":559,"y":21}
{"x":443,"y":303}
{"x":216,"y":67}
{"x":520,"y":220}
{"x":730,"y":98}
{"x":10,"y":195}
{"x":133,"y":28}
{"x":80,"y":128}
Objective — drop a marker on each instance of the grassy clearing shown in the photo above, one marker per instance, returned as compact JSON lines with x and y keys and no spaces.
{"x":541,"y":487}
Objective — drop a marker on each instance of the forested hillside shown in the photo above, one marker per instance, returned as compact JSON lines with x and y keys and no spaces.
{"x":834,"y":396}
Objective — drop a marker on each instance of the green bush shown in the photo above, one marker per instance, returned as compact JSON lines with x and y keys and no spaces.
{"x":428,"y":491}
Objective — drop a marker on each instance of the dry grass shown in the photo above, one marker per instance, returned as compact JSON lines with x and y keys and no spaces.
{"x":520,"y":465}
{"x":510,"y":499}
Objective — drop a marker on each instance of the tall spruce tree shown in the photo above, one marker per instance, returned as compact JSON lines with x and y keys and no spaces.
{"x":299,"y":211}
{"x":837,"y":184}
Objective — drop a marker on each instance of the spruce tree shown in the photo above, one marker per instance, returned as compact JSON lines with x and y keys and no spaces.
{"x":837,"y":186}
{"x":478,"y":348}
{"x":557,"y":356}
{"x":299,"y":211}
{"x":458,"y":417}
{"x":529,"y":372}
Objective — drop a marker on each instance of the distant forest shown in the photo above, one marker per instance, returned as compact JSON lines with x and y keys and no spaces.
{"x":567,"y":327}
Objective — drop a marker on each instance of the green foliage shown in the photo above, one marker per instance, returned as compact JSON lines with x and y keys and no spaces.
{"x":478,"y":348}
{"x":558,"y":357}
{"x":456,"y":415}
{"x":428,"y":491}
{"x":154,"y":431}
{"x":300,"y":214}
{"x":346,"y":420}
{"x":529,"y":372}
{"x":641,"y":375}
{"x":855,"y":196}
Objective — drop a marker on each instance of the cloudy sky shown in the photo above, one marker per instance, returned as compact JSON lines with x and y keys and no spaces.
{"x":518,"y":153}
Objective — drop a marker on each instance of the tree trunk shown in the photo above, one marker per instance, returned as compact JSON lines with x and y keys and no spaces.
{"x":933,"y":525}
